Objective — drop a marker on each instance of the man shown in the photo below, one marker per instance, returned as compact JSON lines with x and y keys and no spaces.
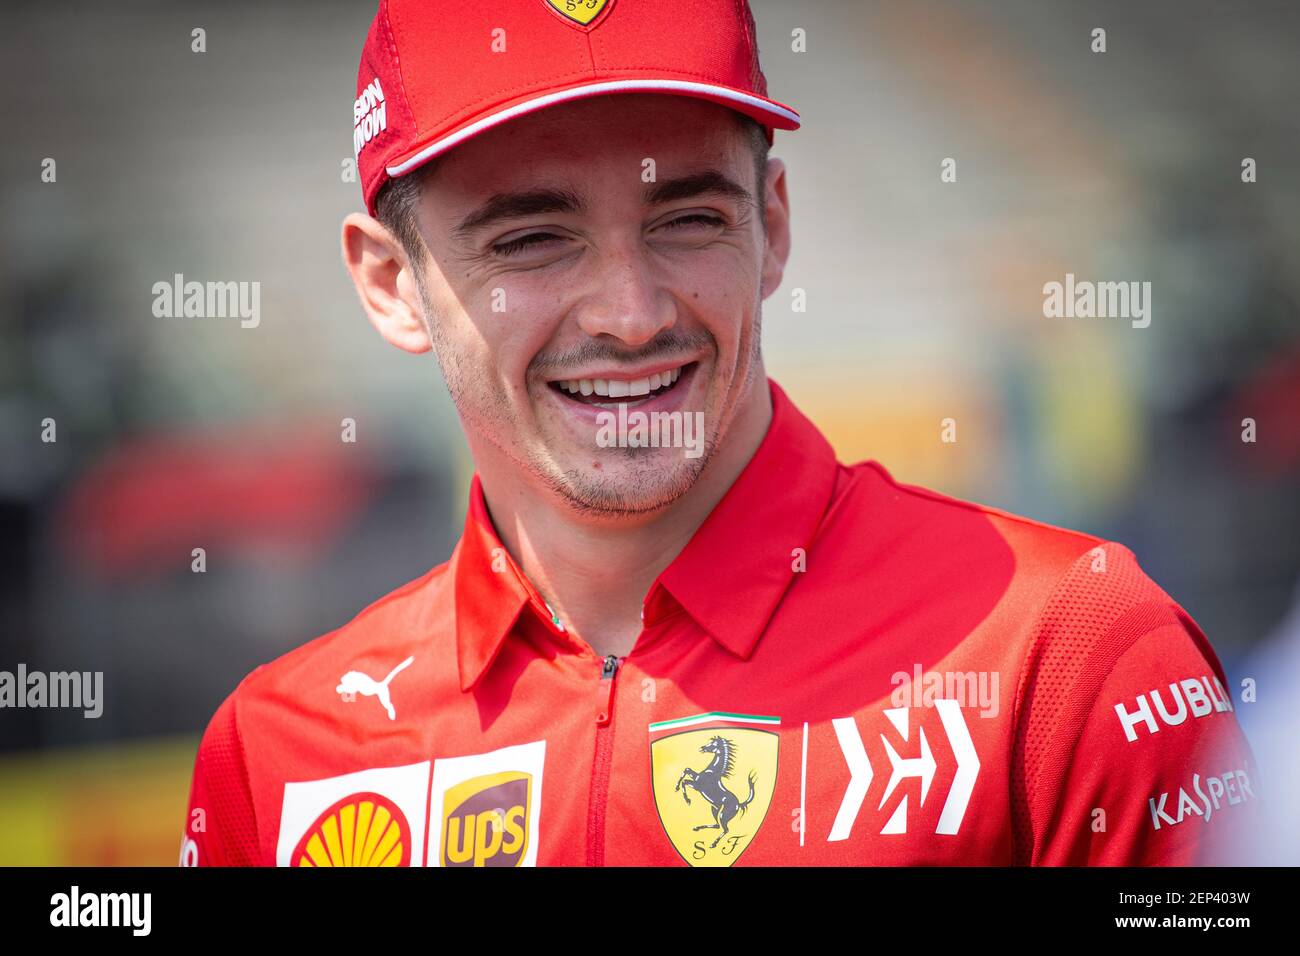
{"x":704,"y":642}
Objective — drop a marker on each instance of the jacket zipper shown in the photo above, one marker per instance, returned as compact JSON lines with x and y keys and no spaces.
{"x":600,"y":768}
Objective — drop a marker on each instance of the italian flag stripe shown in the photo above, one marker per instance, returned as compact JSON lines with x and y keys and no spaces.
{"x":716,"y":716}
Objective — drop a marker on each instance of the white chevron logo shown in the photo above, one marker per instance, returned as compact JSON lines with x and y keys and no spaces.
{"x":922,"y":767}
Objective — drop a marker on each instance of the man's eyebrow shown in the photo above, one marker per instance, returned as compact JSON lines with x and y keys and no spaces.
{"x":531,"y":202}
{"x":535,"y":202}
{"x":704,"y":183}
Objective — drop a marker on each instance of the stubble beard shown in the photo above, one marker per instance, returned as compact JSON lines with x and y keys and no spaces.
{"x":640,"y":487}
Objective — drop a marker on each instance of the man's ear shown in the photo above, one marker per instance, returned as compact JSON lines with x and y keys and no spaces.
{"x":385,"y":282}
{"x":778,"y":227}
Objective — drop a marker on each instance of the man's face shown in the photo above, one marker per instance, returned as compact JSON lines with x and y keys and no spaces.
{"x":606,"y":251}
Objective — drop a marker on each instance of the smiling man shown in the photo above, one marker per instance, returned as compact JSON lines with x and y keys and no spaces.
{"x":554,"y":291}
{"x":750,"y":654}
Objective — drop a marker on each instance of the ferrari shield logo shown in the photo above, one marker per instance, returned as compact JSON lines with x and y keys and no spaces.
{"x":714,"y":776}
{"x":581,"y":12}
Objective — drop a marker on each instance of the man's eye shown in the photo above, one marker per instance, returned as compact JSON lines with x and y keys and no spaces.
{"x":530,"y":241}
{"x":694,"y":219}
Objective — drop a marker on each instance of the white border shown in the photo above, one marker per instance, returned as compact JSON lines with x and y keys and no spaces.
{"x":529,"y":758}
{"x":304,"y":801}
{"x":577,"y":92}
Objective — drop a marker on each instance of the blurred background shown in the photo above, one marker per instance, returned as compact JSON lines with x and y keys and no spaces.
{"x":924,"y":301}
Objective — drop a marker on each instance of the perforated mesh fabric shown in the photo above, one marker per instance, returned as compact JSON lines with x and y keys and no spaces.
{"x":221,"y":790}
{"x":1091,"y":618}
{"x":756,"y":79}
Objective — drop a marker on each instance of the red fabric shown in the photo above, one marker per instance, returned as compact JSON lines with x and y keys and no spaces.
{"x":441,"y":69}
{"x":789,"y":617}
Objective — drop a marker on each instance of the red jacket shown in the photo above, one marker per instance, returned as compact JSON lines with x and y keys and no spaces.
{"x":838,"y":669}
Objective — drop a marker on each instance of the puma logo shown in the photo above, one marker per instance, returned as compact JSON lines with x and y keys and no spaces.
{"x":355,"y":682}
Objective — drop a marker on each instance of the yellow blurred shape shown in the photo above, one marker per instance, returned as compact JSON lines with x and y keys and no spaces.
{"x":898,"y":420}
{"x":118,"y":805}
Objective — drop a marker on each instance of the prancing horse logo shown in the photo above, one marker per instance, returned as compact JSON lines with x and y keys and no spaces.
{"x":709,"y":783}
{"x":707,"y":814}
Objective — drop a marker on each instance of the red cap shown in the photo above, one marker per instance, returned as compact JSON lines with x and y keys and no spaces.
{"x":435,"y":72}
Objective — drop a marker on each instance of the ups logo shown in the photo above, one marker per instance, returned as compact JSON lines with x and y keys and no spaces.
{"x":485,"y":820}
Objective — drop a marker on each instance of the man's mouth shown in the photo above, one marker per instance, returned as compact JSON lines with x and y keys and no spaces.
{"x":612,"y":392}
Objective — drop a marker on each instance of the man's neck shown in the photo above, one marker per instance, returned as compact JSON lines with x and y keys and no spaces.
{"x":596,"y":572}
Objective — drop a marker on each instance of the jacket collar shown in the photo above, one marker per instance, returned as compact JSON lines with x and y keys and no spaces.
{"x":729,"y":578}
{"x":734,"y":571}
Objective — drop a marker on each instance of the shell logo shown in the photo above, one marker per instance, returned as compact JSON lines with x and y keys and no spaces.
{"x":363,"y":829}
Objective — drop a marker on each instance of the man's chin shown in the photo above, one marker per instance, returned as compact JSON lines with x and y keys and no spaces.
{"x":628,"y":481}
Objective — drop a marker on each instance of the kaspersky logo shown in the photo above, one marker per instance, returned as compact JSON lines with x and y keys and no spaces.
{"x":713,"y":776}
{"x":1211,"y":794}
{"x":923,"y":766}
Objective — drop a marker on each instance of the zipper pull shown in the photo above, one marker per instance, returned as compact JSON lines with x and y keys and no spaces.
{"x":607,"y":671}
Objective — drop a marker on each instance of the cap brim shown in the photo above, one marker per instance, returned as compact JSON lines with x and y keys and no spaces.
{"x":771,"y":114}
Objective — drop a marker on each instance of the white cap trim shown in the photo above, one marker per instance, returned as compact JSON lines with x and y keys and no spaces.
{"x":683,"y":86}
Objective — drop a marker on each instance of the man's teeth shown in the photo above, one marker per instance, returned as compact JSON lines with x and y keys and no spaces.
{"x":615,"y":388}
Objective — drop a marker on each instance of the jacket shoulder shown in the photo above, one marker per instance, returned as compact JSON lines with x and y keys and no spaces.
{"x":964,"y":540}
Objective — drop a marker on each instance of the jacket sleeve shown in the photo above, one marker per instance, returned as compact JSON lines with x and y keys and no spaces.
{"x":1135,"y":756}
{"x":220,"y":826}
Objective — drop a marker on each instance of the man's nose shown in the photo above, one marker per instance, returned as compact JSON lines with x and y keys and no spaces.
{"x":625,"y":299}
